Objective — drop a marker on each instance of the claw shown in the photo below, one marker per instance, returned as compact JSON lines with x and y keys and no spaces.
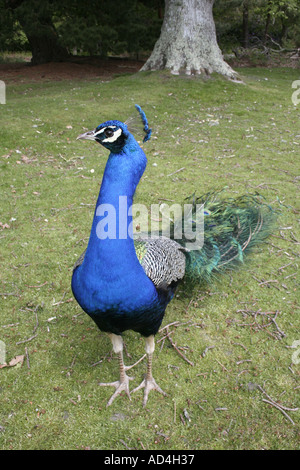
{"x":120,"y":385}
{"x":149,"y":384}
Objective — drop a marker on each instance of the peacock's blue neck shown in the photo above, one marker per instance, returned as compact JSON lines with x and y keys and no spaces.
{"x":110,"y":284}
{"x":110,"y":253}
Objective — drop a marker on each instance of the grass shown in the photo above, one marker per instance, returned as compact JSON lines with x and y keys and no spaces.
{"x":243,"y":137}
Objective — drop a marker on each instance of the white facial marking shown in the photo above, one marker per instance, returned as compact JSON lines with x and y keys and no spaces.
{"x":114,"y":137}
{"x":102,"y":130}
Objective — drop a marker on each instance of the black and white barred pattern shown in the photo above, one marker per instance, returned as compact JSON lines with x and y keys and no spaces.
{"x":164,"y":260}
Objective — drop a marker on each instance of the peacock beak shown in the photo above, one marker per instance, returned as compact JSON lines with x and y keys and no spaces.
{"x":90,"y":135}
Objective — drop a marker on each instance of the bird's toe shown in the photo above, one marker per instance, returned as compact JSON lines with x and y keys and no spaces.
{"x":120,"y":386}
{"x":149,"y":384}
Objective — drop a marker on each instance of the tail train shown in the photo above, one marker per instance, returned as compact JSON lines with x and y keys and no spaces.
{"x":232,"y":227}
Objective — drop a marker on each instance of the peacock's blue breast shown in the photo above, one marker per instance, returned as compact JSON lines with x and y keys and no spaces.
{"x":118,"y":302}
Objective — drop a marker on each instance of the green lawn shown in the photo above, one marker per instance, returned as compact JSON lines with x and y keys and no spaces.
{"x":237,"y":332}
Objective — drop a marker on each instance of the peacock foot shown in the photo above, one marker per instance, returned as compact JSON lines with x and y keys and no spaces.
{"x":149,"y":384}
{"x":121,"y":385}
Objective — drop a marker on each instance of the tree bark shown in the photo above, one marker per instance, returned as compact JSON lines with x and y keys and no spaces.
{"x":188,"y":41}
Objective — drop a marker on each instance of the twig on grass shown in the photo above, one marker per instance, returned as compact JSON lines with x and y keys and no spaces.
{"x":291,"y":275}
{"x":177,"y":350}
{"x":27,"y":340}
{"x":281,"y":333}
{"x":271,"y":399}
{"x":10,"y":325}
{"x":34,"y":335}
{"x":169,"y":324}
{"x":244,"y":371}
{"x":268,"y":282}
{"x":177,"y":171}
{"x":39,"y":285}
{"x":223,"y":367}
{"x":207,"y":349}
{"x":244,"y":360}
{"x":6,"y":294}
{"x":256,"y":325}
{"x":168,"y":334}
{"x":27,"y":358}
{"x":280,"y":407}
{"x":124,"y":444}
{"x":57,"y":303}
{"x":285,"y":266}
{"x":242,"y":346}
{"x":294,"y":238}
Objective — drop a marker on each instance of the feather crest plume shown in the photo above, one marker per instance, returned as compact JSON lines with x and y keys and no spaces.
{"x":138,"y":124}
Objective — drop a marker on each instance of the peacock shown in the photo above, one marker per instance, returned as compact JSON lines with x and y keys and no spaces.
{"x":124,"y":282}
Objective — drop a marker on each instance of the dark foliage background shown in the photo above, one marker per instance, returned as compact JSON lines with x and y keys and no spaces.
{"x":55,"y":29}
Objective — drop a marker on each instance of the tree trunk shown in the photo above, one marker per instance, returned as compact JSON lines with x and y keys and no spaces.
{"x":45,"y":47}
{"x":246,"y":24}
{"x":268,"y":20}
{"x":188,"y":40}
{"x":36,"y":21}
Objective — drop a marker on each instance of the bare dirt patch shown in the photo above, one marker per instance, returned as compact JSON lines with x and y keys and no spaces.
{"x":82,"y":69}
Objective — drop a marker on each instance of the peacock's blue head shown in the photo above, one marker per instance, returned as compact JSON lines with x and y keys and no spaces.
{"x":111,"y":134}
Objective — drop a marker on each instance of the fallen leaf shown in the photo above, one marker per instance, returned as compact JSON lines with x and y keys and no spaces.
{"x":16,"y":360}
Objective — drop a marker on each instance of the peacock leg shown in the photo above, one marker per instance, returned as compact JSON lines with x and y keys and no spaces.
{"x":122,"y":384}
{"x":149,"y":383}
{"x":137,"y":362}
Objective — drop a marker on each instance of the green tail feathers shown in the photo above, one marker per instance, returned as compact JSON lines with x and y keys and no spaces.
{"x":232,"y":226}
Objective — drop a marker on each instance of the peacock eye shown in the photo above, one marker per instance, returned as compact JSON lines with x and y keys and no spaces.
{"x":108,"y":132}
